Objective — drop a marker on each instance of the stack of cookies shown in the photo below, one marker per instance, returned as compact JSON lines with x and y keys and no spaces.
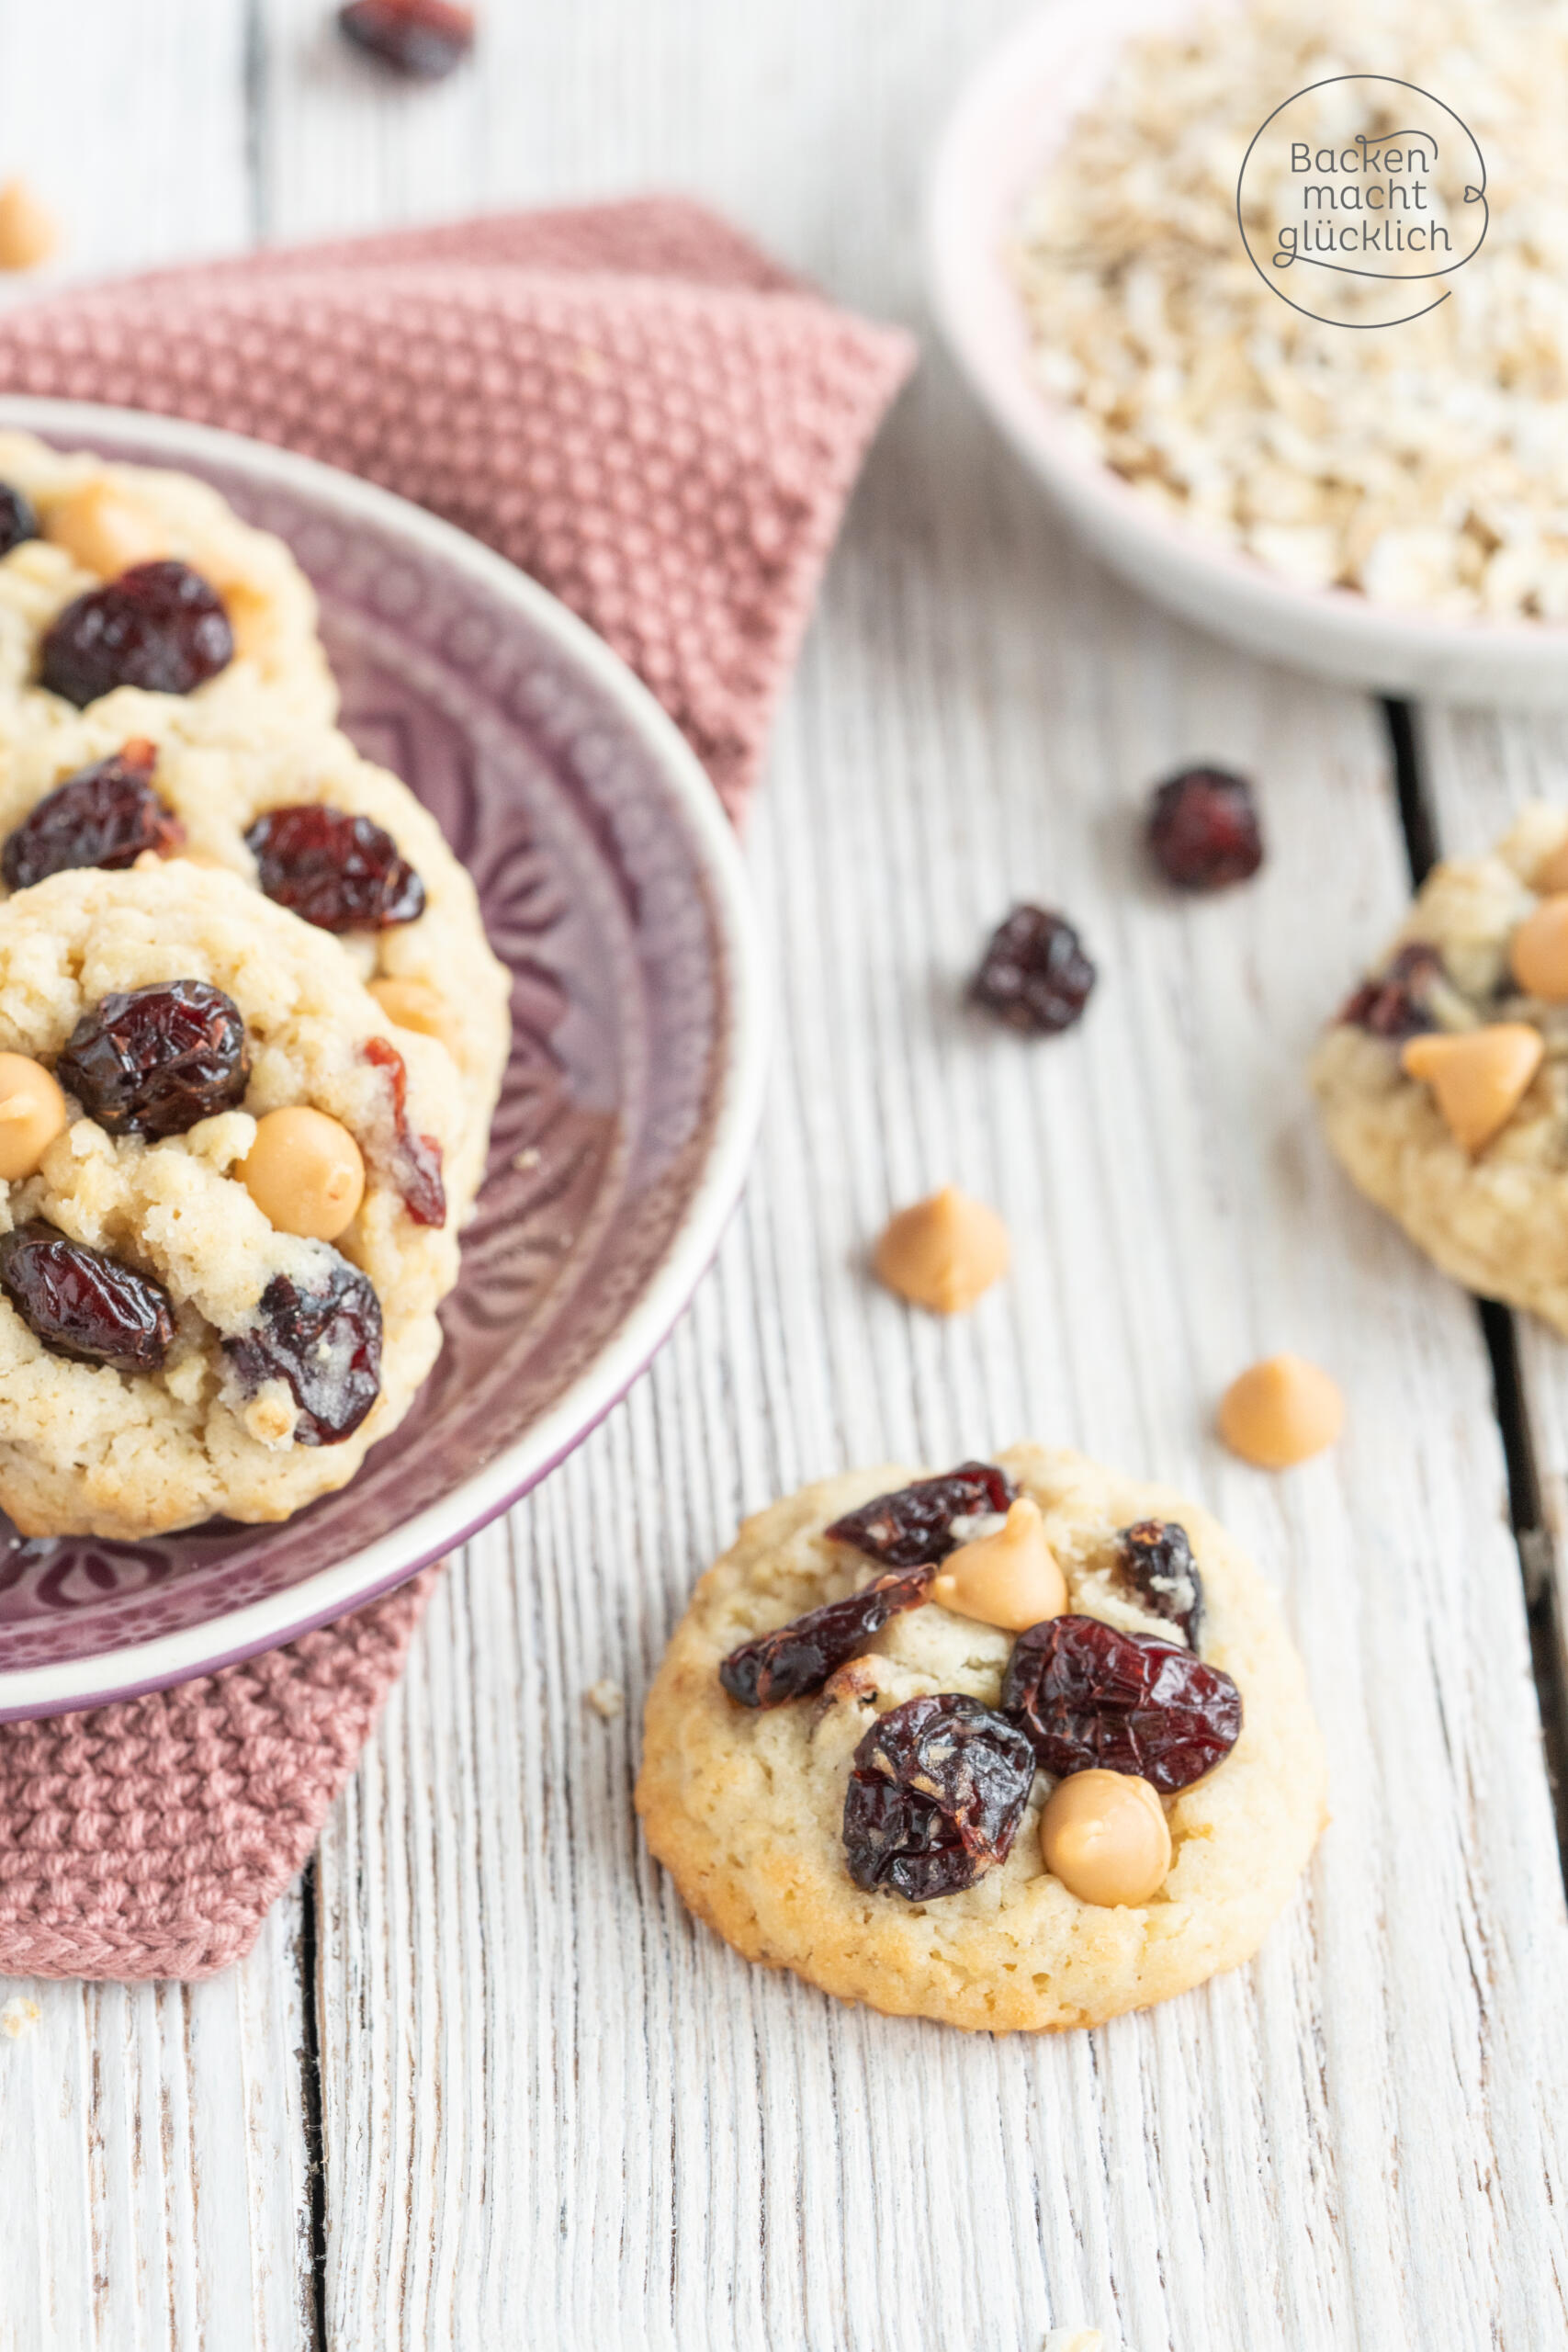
{"x":251,"y":1031}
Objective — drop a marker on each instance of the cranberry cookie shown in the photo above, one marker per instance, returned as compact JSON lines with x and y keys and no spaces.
{"x":340,"y":842}
{"x":1443,"y":1083}
{"x":223,"y":1224}
{"x":115,"y":576}
{"x":1016,"y":1747}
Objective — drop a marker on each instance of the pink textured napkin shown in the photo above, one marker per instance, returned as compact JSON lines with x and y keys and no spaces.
{"x":642,"y":409}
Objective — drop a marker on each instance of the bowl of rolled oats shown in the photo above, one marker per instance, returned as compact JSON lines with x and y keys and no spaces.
{"x":1376,"y":494}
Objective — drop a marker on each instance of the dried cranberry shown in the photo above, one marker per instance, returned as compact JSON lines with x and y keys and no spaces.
{"x":424,"y":38}
{"x":1089,"y":1694}
{"x":1034,"y":973}
{"x":1397,"y":1003}
{"x":159,"y":626}
{"x":18,"y":520}
{"x":797,"y":1658}
{"x":85,"y":1305}
{"x":912,"y":1527}
{"x":418,"y":1157}
{"x":1156,"y":1563}
{"x":324,"y":1342}
{"x":937,"y":1793}
{"x":339,"y":872}
{"x":104,"y":815}
{"x":1203,"y":829}
{"x":155,"y":1061}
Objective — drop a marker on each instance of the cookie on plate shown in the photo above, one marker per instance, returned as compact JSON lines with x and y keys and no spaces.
{"x":223,"y":1228}
{"x":114,"y":575}
{"x":340,"y":841}
{"x":1443,"y":1083}
{"x":1018,"y":1660}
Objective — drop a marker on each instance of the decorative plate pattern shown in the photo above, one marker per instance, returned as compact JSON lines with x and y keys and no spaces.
{"x":633,"y":1060}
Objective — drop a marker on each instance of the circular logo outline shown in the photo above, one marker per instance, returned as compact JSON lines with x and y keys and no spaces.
{"x":1364,"y":326}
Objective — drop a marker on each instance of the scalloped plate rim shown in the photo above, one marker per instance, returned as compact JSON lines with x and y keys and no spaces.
{"x":130,"y":1669}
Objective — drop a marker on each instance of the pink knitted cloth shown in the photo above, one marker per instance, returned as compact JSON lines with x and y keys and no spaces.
{"x":650,"y":417}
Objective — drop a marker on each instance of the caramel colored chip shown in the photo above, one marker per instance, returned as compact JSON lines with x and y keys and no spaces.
{"x":1010,"y":1579}
{"x":1281,"y":1411}
{"x":412,"y":1004}
{"x":1105,"y":1836}
{"x":1552,"y":872}
{"x":28,"y":232}
{"x":1478,"y":1078}
{"x":944,"y":1252}
{"x":305,"y":1173}
{"x":104,"y":529}
{"x":32,"y":1112}
{"x":1538,"y":952}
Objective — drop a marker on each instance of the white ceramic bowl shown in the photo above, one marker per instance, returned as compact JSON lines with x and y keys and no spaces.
{"x":1007,"y":122}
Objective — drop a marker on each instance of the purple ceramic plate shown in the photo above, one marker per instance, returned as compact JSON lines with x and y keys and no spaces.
{"x":612,"y":888}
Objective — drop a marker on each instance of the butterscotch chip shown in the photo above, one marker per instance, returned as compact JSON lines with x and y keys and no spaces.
{"x":305,"y":1172}
{"x":1551,"y":873}
{"x":1010,"y":1579}
{"x":943,"y":1252}
{"x":105,"y":529}
{"x":1478,"y":1080}
{"x":28,"y":232}
{"x":413,"y":1005}
{"x":32,"y":1112}
{"x":1281,"y":1411}
{"x":1540,"y":950}
{"x":1105,"y":1836}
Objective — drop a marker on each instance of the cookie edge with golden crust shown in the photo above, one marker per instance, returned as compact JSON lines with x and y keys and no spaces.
{"x":686,"y":1703}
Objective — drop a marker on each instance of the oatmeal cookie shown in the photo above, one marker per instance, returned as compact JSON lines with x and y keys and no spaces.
{"x":170,"y":1348}
{"x":746,"y":1805}
{"x":1492,"y":1212}
{"x":429,"y":965}
{"x":94,"y":522}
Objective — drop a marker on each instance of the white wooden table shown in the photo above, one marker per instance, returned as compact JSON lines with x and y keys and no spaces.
{"x":483,"y":2085}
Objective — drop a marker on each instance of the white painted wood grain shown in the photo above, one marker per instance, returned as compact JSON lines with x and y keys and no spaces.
{"x":555,"y":2113}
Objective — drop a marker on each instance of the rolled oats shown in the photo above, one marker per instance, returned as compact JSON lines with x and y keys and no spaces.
{"x":1423,"y":464}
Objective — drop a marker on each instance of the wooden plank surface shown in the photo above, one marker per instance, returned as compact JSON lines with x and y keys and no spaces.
{"x":554,"y":2112}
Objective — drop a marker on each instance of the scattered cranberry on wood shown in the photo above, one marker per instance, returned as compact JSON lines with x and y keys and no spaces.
{"x":159,"y":626}
{"x":1203,"y":829}
{"x":912,"y":1527}
{"x":423,"y":38}
{"x":324,"y":1342}
{"x":1090,"y":1695}
{"x":85,"y":1305}
{"x":796,"y":1659}
{"x":937,"y":1792}
{"x":1034,"y":973}
{"x":155,"y":1060}
{"x":339,"y":872}
{"x":106,"y":815}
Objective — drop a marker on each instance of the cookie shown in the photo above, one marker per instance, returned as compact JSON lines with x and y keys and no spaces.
{"x":435,"y":973}
{"x":1488,"y":1202}
{"x":746,"y":1805}
{"x":95,"y":523}
{"x":236,"y":1372}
